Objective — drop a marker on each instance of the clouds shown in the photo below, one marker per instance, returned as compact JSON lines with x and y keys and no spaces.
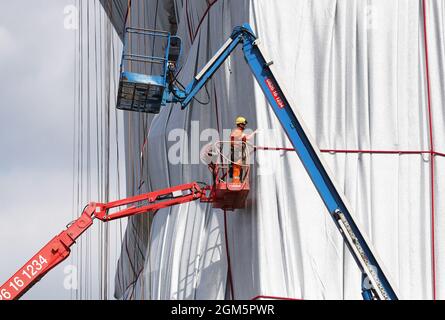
{"x":37,"y":87}
{"x":36,"y":133}
{"x":37,"y":93}
{"x":7,"y":44}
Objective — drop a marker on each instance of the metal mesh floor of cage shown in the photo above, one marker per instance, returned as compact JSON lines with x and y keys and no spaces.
{"x":140,"y":93}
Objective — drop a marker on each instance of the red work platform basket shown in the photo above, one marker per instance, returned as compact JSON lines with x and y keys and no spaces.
{"x":228,"y":193}
{"x":231,"y":196}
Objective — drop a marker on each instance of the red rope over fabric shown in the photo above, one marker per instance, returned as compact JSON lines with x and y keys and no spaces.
{"x":192,"y":33}
{"x":275,"y":298}
{"x":434,"y":153}
{"x":432,"y":174}
{"x":127,"y":15}
{"x":202,"y":18}
{"x":188,"y":21}
{"x":375,"y":151}
{"x":229,"y":269}
{"x":216,"y":110}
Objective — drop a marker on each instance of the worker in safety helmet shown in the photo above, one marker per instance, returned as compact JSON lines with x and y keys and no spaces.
{"x":238,"y":149}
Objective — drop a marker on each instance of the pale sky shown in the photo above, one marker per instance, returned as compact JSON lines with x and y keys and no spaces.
{"x":36,"y":135}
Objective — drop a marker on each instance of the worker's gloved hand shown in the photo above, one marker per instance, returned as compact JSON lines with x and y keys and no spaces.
{"x":250,"y":136}
{"x":209,"y":154}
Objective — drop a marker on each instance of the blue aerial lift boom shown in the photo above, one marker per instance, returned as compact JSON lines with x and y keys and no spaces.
{"x":376,"y":283}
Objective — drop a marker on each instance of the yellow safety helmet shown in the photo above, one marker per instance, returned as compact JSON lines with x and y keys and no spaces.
{"x":241,"y":120}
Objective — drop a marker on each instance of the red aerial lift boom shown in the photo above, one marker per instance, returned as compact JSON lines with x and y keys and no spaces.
{"x":224,"y":194}
{"x":58,"y":249}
